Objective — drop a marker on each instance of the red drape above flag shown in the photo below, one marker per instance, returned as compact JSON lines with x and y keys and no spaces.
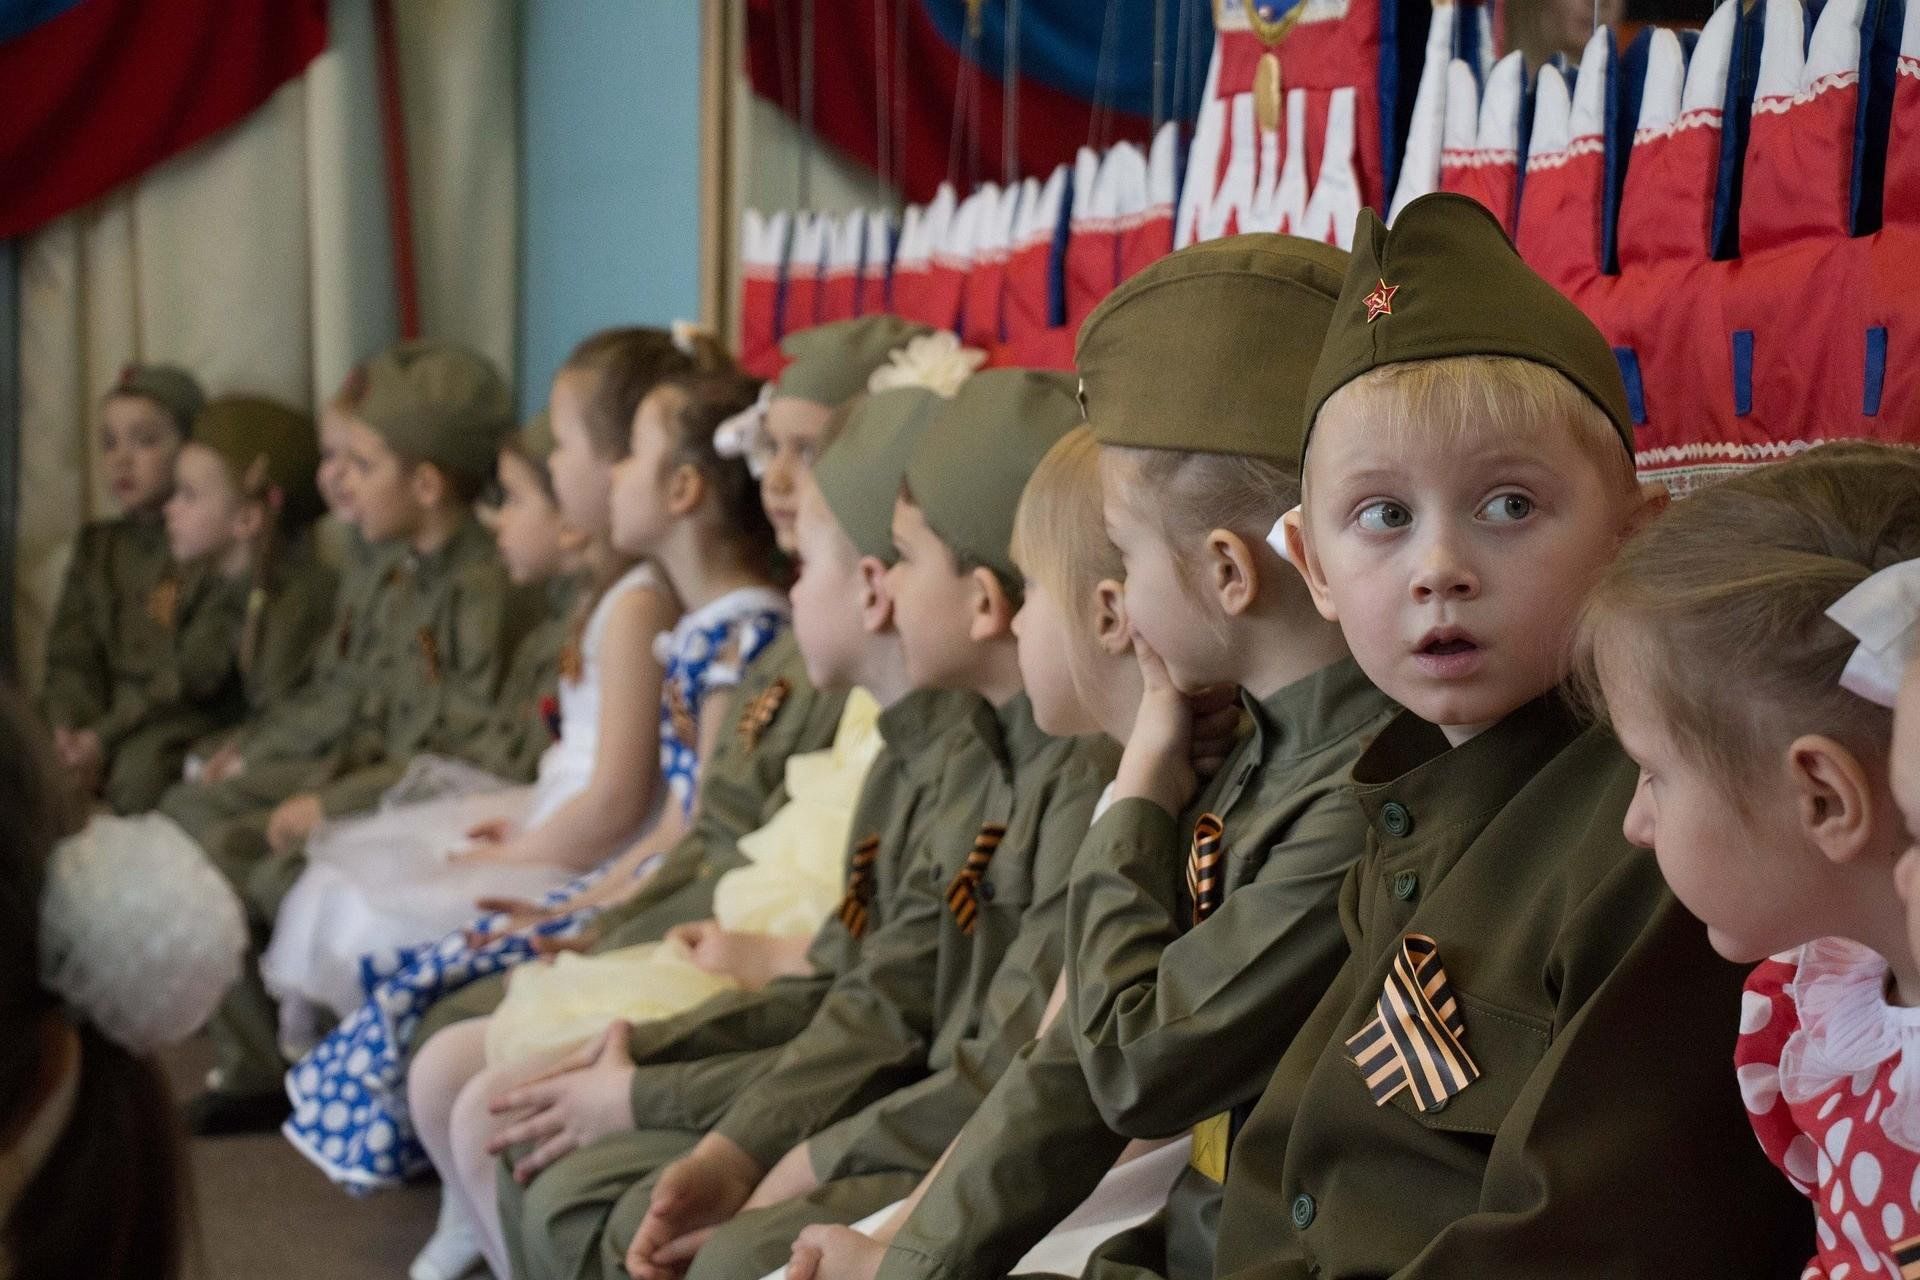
{"x":109,"y":88}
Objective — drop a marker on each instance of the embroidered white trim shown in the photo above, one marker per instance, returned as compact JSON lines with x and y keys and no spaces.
{"x":1591,"y":145}
{"x":1780,"y":104}
{"x":1847,"y":1028}
{"x":1705,"y":118}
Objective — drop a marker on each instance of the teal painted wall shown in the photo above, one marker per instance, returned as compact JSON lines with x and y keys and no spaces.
{"x":610,"y":174}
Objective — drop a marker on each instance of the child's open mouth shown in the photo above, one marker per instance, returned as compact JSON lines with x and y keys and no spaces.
{"x":1449,"y":654}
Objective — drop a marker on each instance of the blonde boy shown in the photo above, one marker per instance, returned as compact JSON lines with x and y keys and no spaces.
{"x":1509,"y":1076}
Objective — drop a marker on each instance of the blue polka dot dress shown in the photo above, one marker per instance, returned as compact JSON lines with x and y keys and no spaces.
{"x":349,"y":1094}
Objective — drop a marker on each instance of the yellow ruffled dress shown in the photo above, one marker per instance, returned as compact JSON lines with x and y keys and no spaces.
{"x":793,"y":878}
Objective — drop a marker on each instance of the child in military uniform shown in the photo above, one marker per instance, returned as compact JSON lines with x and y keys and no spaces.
{"x":781,"y":713}
{"x":429,"y":642}
{"x":1526,"y":1017}
{"x":251,"y":598}
{"x":935,"y":1010}
{"x":116,"y":604}
{"x":844,"y":619}
{"x":1168,"y":913}
{"x":1745,"y":645}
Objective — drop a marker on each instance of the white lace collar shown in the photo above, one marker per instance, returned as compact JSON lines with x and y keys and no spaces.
{"x":1848,"y":1030}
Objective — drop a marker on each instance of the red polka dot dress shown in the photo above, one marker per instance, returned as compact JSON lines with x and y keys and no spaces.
{"x":1834,"y":1096}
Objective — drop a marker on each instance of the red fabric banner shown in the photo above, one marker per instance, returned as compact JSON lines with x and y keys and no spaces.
{"x":108,"y":89}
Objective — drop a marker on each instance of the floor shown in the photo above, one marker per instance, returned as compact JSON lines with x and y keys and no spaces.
{"x":266,"y":1214}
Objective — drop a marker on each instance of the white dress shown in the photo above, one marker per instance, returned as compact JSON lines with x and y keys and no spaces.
{"x":382,"y":880}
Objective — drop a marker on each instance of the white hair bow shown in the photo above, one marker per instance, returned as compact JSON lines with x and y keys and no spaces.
{"x":1884,"y":614}
{"x":741,"y":435}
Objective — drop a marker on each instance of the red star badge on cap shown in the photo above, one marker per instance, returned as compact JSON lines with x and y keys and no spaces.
{"x":1380,"y":301}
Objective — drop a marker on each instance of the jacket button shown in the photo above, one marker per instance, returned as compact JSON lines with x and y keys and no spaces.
{"x":1395,"y":818}
{"x":1303,"y":1211}
{"x":1405,"y":885}
{"x":933,"y":874}
{"x":986,"y":890}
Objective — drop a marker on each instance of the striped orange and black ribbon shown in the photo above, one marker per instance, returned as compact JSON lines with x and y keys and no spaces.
{"x":1416,"y":1038}
{"x":1206,"y":878}
{"x":856,"y":905}
{"x":680,"y":716}
{"x":963,"y":895}
{"x":1906,"y":1256}
{"x":759,"y":713}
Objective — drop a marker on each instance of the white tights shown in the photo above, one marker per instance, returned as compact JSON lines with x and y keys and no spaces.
{"x":448,"y":1087}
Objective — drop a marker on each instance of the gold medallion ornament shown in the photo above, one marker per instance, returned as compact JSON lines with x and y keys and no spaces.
{"x":1266,"y":92}
{"x":1272,"y":19}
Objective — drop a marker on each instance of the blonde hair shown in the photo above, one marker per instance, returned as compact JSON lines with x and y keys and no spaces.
{"x":1458,"y":399}
{"x":1187,"y":493}
{"x":1719,"y":606}
{"x":1060,"y":539}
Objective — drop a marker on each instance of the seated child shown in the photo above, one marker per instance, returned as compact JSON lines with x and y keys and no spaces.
{"x":1724,"y":640}
{"x":384,"y":880}
{"x":1187,"y":881}
{"x":83,"y":1108}
{"x":1468,"y":474}
{"x":696,"y":519}
{"x":844,"y":617}
{"x":117,"y":604}
{"x":861,"y":1104}
{"x":428,"y":419}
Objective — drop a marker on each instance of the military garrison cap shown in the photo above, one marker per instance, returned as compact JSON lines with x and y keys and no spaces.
{"x":1445,"y":281}
{"x":976,"y":456}
{"x":267,"y":445}
{"x":1210,"y":349}
{"x":859,"y":474}
{"x":437,"y":402}
{"x":832,"y":362}
{"x":175,"y":390}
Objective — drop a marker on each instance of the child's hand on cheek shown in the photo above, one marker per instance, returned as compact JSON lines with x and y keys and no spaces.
{"x":1177,"y":738}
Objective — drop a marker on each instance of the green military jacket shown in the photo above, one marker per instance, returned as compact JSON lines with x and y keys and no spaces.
{"x":520,"y":729}
{"x":293,"y":627}
{"x":777,"y":713}
{"x":915,"y":1027}
{"x":1152,"y":1040}
{"x":694,"y":1065}
{"x":104,"y":626}
{"x":1604,"y":1134}
{"x":446,"y":632}
{"x":311,"y":720}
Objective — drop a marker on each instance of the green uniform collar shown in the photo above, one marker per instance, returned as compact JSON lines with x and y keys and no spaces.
{"x":911,"y":725}
{"x":469,"y":541}
{"x":1312,"y":713}
{"x":1022,"y":737}
{"x":1410,"y":783}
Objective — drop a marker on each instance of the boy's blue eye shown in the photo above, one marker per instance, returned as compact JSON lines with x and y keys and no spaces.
{"x":1507,"y":508}
{"x":1383,"y":517}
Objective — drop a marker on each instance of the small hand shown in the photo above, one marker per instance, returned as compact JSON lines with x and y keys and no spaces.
{"x":492,"y":831}
{"x":584,"y":1097}
{"x":1159,"y":762}
{"x":223,"y":764}
{"x":831,"y":1252}
{"x":293,"y":821}
{"x":693,"y":1196}
{"x":750,"y":959}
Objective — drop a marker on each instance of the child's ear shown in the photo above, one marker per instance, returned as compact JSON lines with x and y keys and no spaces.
{"x":428,"y":486}
{"x":1652,"y":498}
{"x":686,"y":489}
{"x":876,"y":604}
{"x":1841,"y":813}
{"x":991,"y":611}
{"x":1231,"y":572}
{"x":1300,"y":552}
{"x":1110,"y":629}
{"x":250,"y":521}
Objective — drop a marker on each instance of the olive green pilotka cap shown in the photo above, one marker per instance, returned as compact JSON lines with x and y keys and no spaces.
{"x":975,"y":458}
{"x":859,"y":474}
{"x":832,"y":362}
{"x":1209,"y":350}
{"x":175,"y":390}
{"x":437,"y":402}
{"x":1445,"y":281}
{"x":268,"y":446}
